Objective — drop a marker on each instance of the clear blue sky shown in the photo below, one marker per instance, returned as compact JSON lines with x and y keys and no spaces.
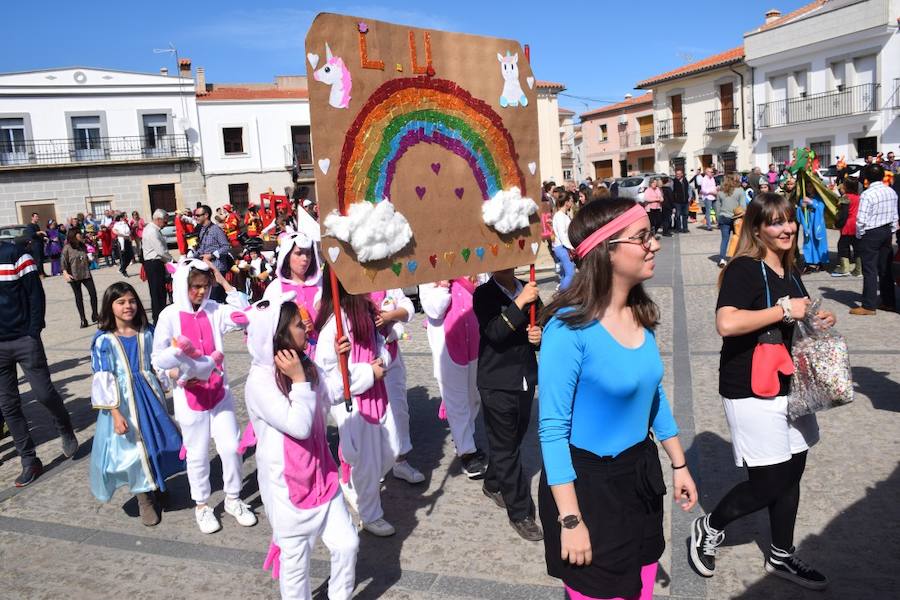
{"x":599,"y":49}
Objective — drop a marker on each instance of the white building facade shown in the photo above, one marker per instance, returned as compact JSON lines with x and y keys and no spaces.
{"x":256,"y":139}
{"x":703,"y":115}
{"x":827,"y":78}
{"x":550,"y":165}
{"x":84,"y":140}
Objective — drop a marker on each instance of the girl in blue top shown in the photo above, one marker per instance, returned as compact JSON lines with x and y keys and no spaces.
{"x":600,"y":392}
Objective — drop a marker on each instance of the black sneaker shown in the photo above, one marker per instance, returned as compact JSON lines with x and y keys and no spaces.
{"x":497,"y":497}
{"x":69,"y":444}
{"x":704,"y":542}
{"x":528,"y":529}
{"x":474,"y":465}
{"x":785,"y":565}
{"x":29,"y":473}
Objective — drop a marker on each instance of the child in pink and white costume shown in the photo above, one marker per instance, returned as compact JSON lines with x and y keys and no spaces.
{"x":204,"y":408}
{"x":393,"y":310}
{"x":299,"y":270}
{"x":287,"y":400}
{"x":453,"y":336}
{"x":368,"y":436}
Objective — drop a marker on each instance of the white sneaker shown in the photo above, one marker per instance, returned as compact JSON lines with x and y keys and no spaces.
{"x":405,"y":471}
{"x":722,"y":263}
{"x":240,"y":511}
{"x":380,"y":528}
{"x":206,"y":520}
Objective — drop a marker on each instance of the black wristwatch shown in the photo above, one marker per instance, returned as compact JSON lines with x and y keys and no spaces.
{"x":570,"y":521}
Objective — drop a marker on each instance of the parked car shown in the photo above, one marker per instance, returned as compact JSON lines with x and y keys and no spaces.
{"x":14,"y":233}
{"x":168,"y":230}
{"x":633,"y":187}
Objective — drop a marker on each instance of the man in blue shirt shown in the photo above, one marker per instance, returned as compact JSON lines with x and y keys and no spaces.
{"x":212,"y":244}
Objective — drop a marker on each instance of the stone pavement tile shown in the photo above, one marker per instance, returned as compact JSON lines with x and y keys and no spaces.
{"x":39,"y":568}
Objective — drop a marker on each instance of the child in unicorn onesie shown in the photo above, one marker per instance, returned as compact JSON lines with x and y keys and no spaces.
{"x":299,"y":269}
{"x":393,"y":310}
{"x":287,"y":399}
{"x":204,"y":408}
{"x":368,"y":435}
{"x":453,"y":336}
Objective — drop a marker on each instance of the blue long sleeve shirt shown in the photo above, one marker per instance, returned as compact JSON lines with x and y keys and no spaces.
{"x":597,"y":395}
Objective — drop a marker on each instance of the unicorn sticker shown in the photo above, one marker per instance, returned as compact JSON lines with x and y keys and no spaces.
{"x":336,"y":74}
{"x":512,"y":90}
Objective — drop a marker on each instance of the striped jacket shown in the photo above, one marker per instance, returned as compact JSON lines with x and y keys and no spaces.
{"x":22,"y":301}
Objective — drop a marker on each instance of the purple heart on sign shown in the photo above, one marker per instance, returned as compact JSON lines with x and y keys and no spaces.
{"x":459,"y":193}
{"x":436,"y":167}
{"x":420,"y":191}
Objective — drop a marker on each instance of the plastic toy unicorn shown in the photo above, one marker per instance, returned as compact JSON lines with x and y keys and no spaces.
{"x":336,"y":74}
{"x":512,"y":90}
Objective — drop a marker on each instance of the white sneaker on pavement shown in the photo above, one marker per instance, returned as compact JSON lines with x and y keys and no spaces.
{"x":240,"y":511}
{"x":206,"y":520}
{"x":405,"y":471}
{"x":380,"y":528}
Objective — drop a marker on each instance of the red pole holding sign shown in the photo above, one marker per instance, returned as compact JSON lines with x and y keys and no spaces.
{"x":532,"y":311}
{"x":343,"y":360}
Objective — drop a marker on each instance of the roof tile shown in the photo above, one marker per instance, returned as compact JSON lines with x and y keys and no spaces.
{"x":242,"y":93}
{"x":717,"y":60}
{"x":642,"y":99}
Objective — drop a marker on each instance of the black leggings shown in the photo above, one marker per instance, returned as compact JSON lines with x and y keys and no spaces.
{"x":776,"y":487}
{"x":79,"y":301}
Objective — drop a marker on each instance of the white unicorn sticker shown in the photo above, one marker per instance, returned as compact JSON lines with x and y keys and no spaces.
{"x":512,"y":90}
{"x":335,"y":74}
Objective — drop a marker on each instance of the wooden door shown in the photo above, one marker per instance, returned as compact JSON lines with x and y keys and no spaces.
{"x":162,"y":196}
{"x":726,"y":96}
{"x":677,"y":128}
{"x":46,"y":212}
{"x":706,"y":160}
{"x":603,"y":169}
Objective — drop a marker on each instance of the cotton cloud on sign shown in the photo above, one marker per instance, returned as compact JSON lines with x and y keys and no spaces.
{"x":508,"y":211}
{"x":373,"y":229}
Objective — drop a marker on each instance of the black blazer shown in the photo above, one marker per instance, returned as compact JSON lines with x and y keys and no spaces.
{"x":505,"y":356}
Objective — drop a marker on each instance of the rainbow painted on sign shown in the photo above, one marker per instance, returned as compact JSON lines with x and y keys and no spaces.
{"x":408,"y":111}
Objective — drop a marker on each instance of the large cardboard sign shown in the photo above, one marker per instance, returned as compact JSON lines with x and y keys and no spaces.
{"x":426,"y":151}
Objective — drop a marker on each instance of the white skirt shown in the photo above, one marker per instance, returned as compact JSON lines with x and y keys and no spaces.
{"x":762,"y":434}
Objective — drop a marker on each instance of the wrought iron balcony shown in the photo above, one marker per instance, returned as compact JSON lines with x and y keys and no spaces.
{"x":636,"y":139}
{"x":668,"y":129}
{"x":19,"y":153}
{"x":825,"y":105}
{"x":723,"y":120}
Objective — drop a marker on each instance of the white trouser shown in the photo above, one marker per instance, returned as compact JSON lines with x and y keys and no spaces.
{"x":461,"y":401}
{"x":196,"y":428}
{"x":295,"y":531}
{"x":395,"y":382}
{"x":370,"y":450}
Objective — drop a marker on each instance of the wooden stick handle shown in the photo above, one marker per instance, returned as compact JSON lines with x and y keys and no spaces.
{"x":339,"y":328}
{"x":532,"y":311}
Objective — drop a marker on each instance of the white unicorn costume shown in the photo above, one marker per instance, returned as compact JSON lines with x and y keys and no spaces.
{"x":298,"y":478}
{"x":308,"y":293}
{"x":395,"y":376}
{"x":207,"y":407}
{"x":453,"y":337}
{"x":368,"y":435}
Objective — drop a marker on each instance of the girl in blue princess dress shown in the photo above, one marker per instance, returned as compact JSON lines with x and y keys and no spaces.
{"x":136,"y":443}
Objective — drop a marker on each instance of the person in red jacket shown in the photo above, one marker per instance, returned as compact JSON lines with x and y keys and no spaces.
{"x":231,"y":225}
{"x":847,"y":244}
{"x":183,"y":226}
{"x":253,"y":222}
{"x":106,"y":245}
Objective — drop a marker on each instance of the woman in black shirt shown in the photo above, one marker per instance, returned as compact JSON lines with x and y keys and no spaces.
{"x":760,"y":296}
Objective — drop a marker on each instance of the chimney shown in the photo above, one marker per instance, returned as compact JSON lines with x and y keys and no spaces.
{"x":200,"y":81}
{"x":772,"y":14}
{"x":164,"y":71}
{"x":184,"y":68}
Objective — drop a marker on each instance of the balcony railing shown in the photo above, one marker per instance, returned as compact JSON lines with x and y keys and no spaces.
{"x":300,"y":163}
{"x":636,"y":139}
{"x":825,"y":105}
{"x":671,"y":128}
{"x":897,"y":93}
{"x":725,"y":119}
{"x":91,"y":150}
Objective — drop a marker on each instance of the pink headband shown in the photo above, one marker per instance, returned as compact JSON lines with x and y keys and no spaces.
{"x":604,"y":233}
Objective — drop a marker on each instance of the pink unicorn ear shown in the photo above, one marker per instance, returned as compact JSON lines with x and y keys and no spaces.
{"x":239,"y":317}
{"x":170,"y":267}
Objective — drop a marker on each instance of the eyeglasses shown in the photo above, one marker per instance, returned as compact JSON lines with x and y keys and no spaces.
{"x":199,"y":214}
{"x":645,"y":238}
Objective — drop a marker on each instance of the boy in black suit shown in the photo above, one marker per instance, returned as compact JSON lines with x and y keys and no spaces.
{"x":507,"y":375}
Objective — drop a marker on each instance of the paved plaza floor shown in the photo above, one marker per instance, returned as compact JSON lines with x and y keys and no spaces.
{"x":57,"y":541}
